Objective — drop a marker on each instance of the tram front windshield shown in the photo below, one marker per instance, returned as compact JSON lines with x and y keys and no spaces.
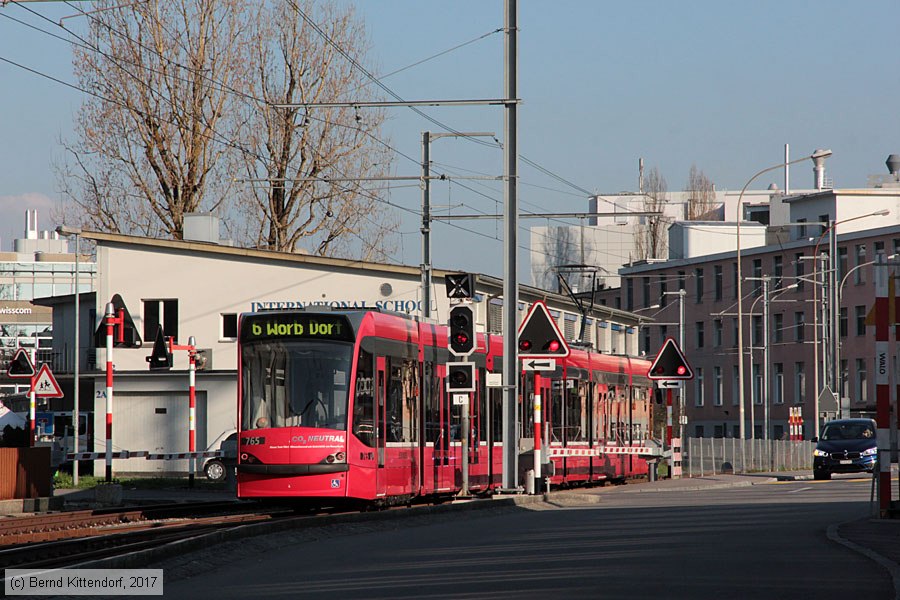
{"x":295,"y":384}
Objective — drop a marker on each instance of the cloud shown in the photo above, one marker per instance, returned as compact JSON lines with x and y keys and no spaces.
{"x":12,"y":216}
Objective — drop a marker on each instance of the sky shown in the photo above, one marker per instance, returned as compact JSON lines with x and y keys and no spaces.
{"x":720,"y":85}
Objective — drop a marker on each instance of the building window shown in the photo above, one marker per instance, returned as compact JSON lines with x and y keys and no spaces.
{"x":700,"y":334}
{"x":160,"y":312}
{"x":801,"y":231}
{"x":229,"y":326}
{"x":645,"y":284}
{"x":799,"y":326}
{"x":879,"y":251}
{"x":698,"y":387}
{"x":799,"y":382}
{"x":778,"y":384}
{"x":859,"y":275}
{"x":698,"y":431}
{"x":717,"y":332}
{"x":777,"y":271}
{"x":645,"y":340}
{"x":844,"y":318}
{"x":735,"y":386}
{"x":756,"y":331}
{"x":662,"y":291}
{"x":718,"y":386}
{"x":862,"y":391}
{"x":757,"y":384}
{"x":860,"y":314}
{"x":799,"y":270}
{"x":778,"y":332}
{"x":680,"y":280}
{"x":734,"y":280}
{"x":896,"y":244}
{"x":757,"y":272}
{"x":734,"y":332}
{"x":842,"y":263}
{"x":717,"y":276}
{"x":698,"y":284}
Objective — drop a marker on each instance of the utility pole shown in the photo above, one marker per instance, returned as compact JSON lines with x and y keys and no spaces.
{"x":510,"y":265}
{"x":427,"y":266}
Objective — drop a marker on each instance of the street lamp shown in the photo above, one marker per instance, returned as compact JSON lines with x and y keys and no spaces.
{"x":837,"y":333}
{"x":75,"y":232}
{"x":816,"y":157}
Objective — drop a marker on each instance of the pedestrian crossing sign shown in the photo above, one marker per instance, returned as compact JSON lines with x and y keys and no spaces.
{"x":45,"y":385}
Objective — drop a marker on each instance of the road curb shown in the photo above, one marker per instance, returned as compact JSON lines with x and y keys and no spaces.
{"x":892,"y":568}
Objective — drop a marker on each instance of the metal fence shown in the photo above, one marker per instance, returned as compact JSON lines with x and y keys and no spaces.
{"x":710,"y":456}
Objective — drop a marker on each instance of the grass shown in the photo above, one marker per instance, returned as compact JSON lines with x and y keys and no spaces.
{"x":62,"y":479}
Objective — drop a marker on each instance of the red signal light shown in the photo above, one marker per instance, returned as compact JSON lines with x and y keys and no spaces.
{"x":525,"y":345}
{"x":553,"y":346}
{"x":461,"y":338}
{"x":681,"y":370}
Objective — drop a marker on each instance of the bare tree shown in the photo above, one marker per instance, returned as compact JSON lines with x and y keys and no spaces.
{"x":183,"y":101}
{"x":304,"y":152}
{"x":701,"y":195}
{"x":649,"y":237}
{"x":147,"y":148}
{"x":560,"y":247}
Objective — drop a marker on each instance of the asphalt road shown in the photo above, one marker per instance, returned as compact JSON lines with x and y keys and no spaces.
{"x":765,"y":541}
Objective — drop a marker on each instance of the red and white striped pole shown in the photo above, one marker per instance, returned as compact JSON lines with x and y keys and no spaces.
{"x":32,"y":404}
{"x":669,"y":418}
{"x":882,"y":385}
{"x":537,"y":432}
{"x":111,"y":322}
{"x":192,"y":424}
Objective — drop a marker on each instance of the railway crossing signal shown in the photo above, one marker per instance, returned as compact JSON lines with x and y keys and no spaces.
{"x":462,"y":330}
{"x":461,"y":377}
{"x":161,"y":358}
{"x":460,"y":286}
{"x":670,"y":363}
{"x":20,"y":366}
{"x":539,"y":337}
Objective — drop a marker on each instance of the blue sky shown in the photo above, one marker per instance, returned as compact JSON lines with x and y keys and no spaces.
{"x":721,"y":85}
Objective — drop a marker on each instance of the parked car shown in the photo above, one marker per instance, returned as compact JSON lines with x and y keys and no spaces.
{"x":216,"y":469}
{"x":846,"y":446}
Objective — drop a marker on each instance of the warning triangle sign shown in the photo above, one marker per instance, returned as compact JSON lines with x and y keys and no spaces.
{"x":161,"y":357}
{"x":20,"y":366}
{"x":670,"y":363}
{"x":539,"y":337}
{"x":45,"y":385}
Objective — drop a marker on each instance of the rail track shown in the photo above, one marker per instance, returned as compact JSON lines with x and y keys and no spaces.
{"x":67,"y":538}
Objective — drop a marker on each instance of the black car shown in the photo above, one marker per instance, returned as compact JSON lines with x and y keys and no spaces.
{"x":846,"y":446}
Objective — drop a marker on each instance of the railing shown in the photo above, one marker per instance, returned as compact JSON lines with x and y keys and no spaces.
{"x":711,"y":456}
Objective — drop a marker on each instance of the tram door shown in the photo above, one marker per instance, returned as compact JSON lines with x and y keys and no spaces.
{"x":380,"y":425}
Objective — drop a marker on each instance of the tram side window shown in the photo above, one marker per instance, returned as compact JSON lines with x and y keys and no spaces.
{"x":432,"y":402}
{"x":364,"y":400}
{"x":402,"y":401}
{"x":576,"y":416}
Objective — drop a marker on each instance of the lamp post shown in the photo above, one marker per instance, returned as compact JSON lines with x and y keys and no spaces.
{"x":75,"y":232}
{"x":833,"y":300}
{"x":837,"y":358}
{"x":817,"y":157}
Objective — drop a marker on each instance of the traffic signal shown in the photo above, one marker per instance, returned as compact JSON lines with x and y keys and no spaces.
{"x":462,"y":330}
{"x":461,"y":377}
{"x":670,"y":363}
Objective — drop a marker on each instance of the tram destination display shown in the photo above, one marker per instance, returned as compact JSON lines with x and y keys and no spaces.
{"x":295,"y":326}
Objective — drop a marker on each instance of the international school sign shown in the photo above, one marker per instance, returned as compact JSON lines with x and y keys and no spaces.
{"x":403,"y":306}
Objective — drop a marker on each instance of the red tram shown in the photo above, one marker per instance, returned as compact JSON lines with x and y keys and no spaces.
{"x":352,"y":405}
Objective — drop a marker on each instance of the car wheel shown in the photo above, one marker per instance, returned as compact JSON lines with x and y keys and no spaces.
{"x":821,"y":475}
{"x":215,"y":470}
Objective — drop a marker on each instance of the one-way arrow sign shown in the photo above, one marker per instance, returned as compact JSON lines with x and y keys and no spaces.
{"x":539,"y":364}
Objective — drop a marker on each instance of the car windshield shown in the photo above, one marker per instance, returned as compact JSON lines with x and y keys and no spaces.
{"x":848,"y":431}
